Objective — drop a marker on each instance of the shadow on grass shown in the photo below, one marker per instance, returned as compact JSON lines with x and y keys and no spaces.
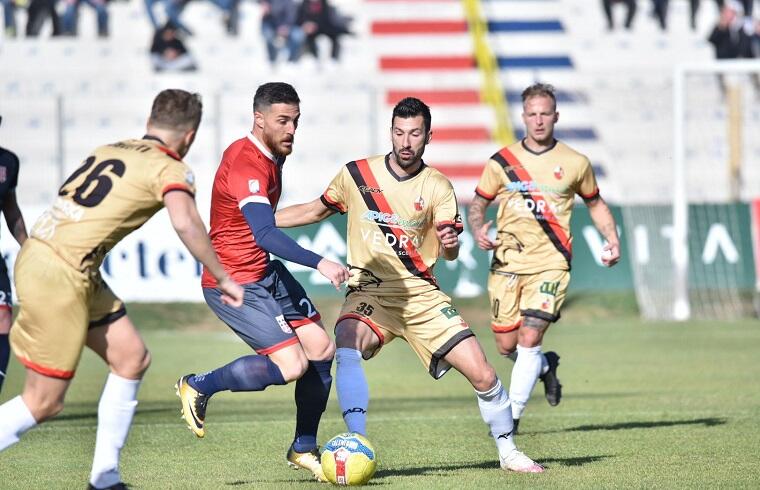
{"x":483,"y":465}
{"x":93,"y":414}
{"x":707,"y":422}
{"x":573,"y":461}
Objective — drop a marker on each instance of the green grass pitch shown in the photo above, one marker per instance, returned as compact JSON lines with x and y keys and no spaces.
{"x":646,"y":405}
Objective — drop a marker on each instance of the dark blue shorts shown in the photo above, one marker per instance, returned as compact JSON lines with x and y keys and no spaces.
{"x":272,"y":308}
{"x":6,"y":300}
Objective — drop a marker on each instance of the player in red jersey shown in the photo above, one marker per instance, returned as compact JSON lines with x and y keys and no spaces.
{"x":277,"y":319}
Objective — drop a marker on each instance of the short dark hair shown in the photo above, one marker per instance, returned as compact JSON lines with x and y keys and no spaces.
{"x":274,"y":93}
{"x":539,"y":90}
{"x":176,"y":109}
{"x":412,"y":107}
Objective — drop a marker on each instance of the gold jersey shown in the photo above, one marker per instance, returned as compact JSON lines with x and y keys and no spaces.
{"x":392,"y":220}
{"x":115,"y":191}
{"x":536,"y":193}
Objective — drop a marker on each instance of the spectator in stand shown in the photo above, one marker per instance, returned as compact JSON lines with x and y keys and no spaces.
{"x":9,"y":13}
{"x":631,"y":12}
{"x":39,"y":11}
{"x":318,"y":18}
{"x":174,"y":8}
{"x":168,"y":52}
{"x":280,"y":30}
{"x":660,"y":10}
{"x":71,"y":16}
{"x":746,"y":5}
{"x":729,"y":37}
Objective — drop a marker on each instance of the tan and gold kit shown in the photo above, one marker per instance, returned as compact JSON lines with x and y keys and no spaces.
{"x":61,"y":292}
{"x":535,"y":192}
{"x":392,"y":248}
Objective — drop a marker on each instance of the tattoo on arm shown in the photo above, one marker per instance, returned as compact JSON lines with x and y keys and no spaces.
{"x":477,"y":213}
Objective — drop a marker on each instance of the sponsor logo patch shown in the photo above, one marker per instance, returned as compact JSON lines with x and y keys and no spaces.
{"x":365,"y":189}
{"x":393,"y":220}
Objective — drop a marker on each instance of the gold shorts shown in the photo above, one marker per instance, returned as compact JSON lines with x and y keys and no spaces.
{"x":516,"y":295}
{"x":57,"y":305}
{"x":428,"y":323}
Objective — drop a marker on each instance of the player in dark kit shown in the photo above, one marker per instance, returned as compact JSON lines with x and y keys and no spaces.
{"x":8,"y":180}
{"x":277,"y":319}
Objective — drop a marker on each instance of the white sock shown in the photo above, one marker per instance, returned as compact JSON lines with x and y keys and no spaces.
{"x":544,"y":364}
{"x":525,"y":373}
{"x":495,"y":410}
{"x":115,"y":411}
{"x":353,"y":392}
{"x":15,"y":419}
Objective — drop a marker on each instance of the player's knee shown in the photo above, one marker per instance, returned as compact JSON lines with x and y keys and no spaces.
{"x":294,"y":370}
{"x":328,"y":352}
{"x":484,"y":379}
{"x":345,"y":336}
{"x":44,"y":407}
{"x":352,"y":335}
{"x":505,"y":348}
{"x":134,"y":366}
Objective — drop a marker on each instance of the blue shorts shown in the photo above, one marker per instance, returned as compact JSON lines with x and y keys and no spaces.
{"x":272,"y":308}
{"x":6,"y":300}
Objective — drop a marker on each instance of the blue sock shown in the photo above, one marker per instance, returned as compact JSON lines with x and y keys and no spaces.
{"x":249,"y":373}
{"x":353,"y":392}
{"x":312,"y":392}
{"x":5,"y":354}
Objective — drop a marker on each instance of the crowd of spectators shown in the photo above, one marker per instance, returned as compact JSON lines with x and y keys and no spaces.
{"x":735,"y":35}
{"x":289,"y":28}
{"x":660,"y":9}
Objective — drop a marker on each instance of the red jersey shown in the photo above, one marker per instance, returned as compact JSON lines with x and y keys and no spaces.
{"x":248,"y":173}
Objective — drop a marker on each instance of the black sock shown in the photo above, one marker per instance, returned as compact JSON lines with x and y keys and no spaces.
{"x":5,"y":355}
{"x":312,"y":392}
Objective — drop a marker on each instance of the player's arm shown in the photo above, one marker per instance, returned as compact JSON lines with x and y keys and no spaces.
{"x":475,"y":217}
{"x":261,"y":220}
{"x":302,"y":214}
{"x":605,"y":223}
{"x":13,"y":217}
{"x":191,"y":230}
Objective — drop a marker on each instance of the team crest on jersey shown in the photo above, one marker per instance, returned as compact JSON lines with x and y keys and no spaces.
{"x":253,"y":186}
{"x":559,"y":172}
{"x":3,"y":174}
{"x":419,"y":203}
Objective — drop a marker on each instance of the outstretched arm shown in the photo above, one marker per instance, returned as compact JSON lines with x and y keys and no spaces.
{"x":604,"y":221}
{"x":261,"y":220}
{"x":302,"y":214}
{"x":191,"y":230}
{"x":14,"y":218}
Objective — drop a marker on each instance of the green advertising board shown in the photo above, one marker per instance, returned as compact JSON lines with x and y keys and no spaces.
{"x":719,"y":239}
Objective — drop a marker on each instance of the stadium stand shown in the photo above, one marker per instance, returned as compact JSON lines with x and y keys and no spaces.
{"x":610,"y":89}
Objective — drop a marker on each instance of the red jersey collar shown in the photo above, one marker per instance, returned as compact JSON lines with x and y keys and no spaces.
{"x":262,"y":148}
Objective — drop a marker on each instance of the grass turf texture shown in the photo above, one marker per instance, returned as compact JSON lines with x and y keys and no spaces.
{"x":646,"y":405}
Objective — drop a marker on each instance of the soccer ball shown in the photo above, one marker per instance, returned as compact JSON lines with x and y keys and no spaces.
{"x":348,"y":459}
